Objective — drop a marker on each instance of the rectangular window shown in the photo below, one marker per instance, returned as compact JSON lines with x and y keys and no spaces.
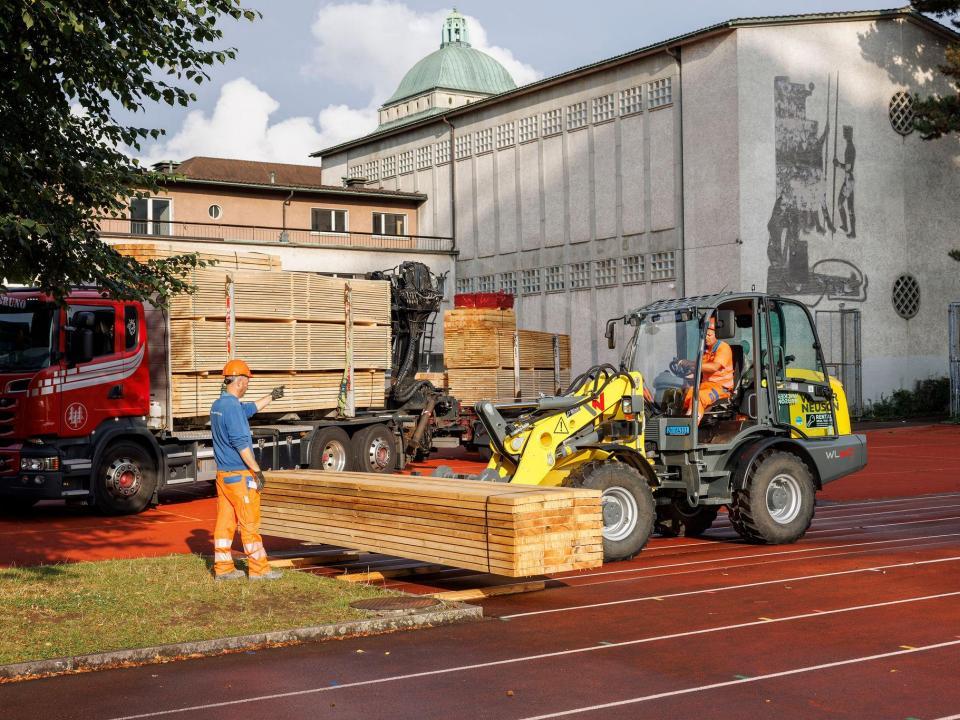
{"x":508,"y":282}
{"x":577,"y":116}
{"x":355,"y":171}
{"x":633,"y":269}
{"x":329,"y":221}
{"x":390,"y":166}
{"x":506,"y":135}
{"x":131,"y":327}
{"x":528,"y":129}
{"x":371,"y":170}
{"x":424,"y":157}
{"x":606,"y":272}
{"x":486,"y":284}
{"x":405,"y":162}
{"x":659,"y":93}
{"x":554,"y":281}
{"x":662,"y":266}
{"x":631,"y":100}
{"x":101,"y":320}
{"x":464,"y":146}
{"x":552,"y":122}
{"x":530,"y":281}
{"x":443,"y":152}
{"x":151,"y":216}
{"x":603,"y":108}
{"x":484,"y":140}
{"x":464,"y":285}
{"x":389,"y":224}
{"x":580,"y":275}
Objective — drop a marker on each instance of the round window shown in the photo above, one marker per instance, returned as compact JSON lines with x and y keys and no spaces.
{"x":215,"y":211}
{"x":901,"y":112}
{"x":906,"y":296}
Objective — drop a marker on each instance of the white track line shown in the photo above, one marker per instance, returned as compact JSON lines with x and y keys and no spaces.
{"x":952,"y":717}
{"x":726,"y":588}
{"x":840,"y":504}
{"x":742,"y":681}
{"x":864,"y":527}
{"x":542,"y":656}
{"x":837,"y":517}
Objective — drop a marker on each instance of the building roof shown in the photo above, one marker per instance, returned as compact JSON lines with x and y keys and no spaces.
{"x":694,"y":36}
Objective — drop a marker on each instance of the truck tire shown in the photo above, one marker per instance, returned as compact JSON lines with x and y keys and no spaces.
{"x":627,"y":505}
{"x":375,"y":449}
{"x":330,"y":450}
{"x":776,"y":504}
{"x":125,"y":480}
{"x":679,"y":518}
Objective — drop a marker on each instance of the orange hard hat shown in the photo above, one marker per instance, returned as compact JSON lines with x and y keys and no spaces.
{"x":236,"y":367}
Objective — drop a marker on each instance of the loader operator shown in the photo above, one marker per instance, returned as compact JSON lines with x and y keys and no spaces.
{"x":239,"y":479}
{"x":716,"y":372}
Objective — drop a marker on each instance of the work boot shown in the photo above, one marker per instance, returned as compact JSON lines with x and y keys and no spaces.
{"x":271,"y":575}
{"x":233,"y":575}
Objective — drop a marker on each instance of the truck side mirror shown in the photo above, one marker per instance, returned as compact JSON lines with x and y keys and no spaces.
{"x":611,"y":334}
{"x":80,"y":338}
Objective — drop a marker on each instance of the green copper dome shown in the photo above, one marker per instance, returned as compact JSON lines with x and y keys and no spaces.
{"x":455,"y":66}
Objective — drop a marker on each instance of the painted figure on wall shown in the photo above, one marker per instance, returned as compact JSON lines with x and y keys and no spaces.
{"x":805,"y":208}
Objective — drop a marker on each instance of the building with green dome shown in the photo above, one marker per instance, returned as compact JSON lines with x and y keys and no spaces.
{"x":454,"y":75}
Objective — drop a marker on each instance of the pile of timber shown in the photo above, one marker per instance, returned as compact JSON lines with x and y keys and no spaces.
{"x":221,"y":257}
{"x":512,"y":530}
{"x":488,"y":358}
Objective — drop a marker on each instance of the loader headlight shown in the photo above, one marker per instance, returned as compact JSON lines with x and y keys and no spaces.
{"x":40,"y":464}
{"x":626,"y":405}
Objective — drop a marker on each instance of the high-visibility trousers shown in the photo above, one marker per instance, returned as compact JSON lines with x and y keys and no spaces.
{"x":238,"y":505}
{"x":707,"y":395}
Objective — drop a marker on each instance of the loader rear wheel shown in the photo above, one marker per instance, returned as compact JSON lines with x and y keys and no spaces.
{"x":776,"y":504}
{"x":330,"y":450}
{"x":627,"y":506}
{"x":679,"y":518}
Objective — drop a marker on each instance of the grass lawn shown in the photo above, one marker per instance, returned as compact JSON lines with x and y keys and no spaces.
{"x":53,"y":611}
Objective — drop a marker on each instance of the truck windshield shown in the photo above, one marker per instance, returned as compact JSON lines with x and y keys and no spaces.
{"x":659,"y":340}
{"x":26,"y":335}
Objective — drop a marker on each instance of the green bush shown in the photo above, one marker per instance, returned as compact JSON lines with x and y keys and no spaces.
{"x":928,"y":397}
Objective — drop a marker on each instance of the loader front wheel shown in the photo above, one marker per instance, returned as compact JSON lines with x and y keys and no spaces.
{"x":627,"y":505}
{"x":776,"y":504}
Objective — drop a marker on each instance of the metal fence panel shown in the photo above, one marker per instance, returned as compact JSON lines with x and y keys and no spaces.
{"x":953,"y":320}
{"x":839,"y":332}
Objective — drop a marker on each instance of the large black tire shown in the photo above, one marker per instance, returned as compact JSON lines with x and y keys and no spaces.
{"x":126,"y":479}
{"x":375,"y":449}
{"x":776,"y":504}
{"x":330,"y":450}
{"x":679,"y":518}
{"x":628,"y":506}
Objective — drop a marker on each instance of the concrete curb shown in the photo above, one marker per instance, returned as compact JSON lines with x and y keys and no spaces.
{"x":149,"y":655}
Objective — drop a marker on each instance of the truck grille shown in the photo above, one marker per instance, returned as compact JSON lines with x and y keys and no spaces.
{"x":8,"y":416}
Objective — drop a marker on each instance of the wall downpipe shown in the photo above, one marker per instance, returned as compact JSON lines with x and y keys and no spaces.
{"x":674,"y":52}
{"x":453,"y":184}
{"x":283,"y":232}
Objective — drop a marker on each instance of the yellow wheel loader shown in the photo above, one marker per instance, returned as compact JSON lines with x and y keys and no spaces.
{"x":764,"y":451}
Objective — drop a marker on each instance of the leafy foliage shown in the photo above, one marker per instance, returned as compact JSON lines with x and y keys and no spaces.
{"x":936,"y":115}
{"x":66,"y":65}
{"x":929,"y":397}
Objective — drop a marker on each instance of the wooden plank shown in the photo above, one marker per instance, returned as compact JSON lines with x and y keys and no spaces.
{"x":491,"y":591}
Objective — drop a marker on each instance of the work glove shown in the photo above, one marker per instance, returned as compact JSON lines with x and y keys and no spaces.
{"x":277,"y":392}
{"x":261,"y":480}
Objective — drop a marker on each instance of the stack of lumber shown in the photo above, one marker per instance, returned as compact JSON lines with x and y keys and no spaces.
{"x":221,"y":257}
{"x":513,"y":530}
{"x":478,"y":353}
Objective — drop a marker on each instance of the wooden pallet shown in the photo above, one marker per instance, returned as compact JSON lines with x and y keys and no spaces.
{"x":222,"y":258}
{"x":486,"y":347}
{"x":512,"y":530}
{"x":470,"y":385}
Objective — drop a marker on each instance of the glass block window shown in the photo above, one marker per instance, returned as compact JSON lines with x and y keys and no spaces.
{"x":354,"y":171}
{"x":906,"y":296}
{"x":554,"y":279}
{"x":485,"y":140}
{"x":424,"y":157}
{"x":506,"y":135}
{"x":405,"y":162}
{"x":528,"y":128}
{"x":443,"y":152}
{"x":662,"y":266}
{"x":633,"y":269}
{"x":464,"y":285}
{"x":605,"y":272}
{"x":530,"y":281}
{"x":603,"y":108}
{"x":576,"y":116}
{"x":486,"y":283}
{"x":552,"y":122}
{"x":371,"y":170}
{"x":508,"y":282}
{"x":463,"y":147}
{"x":901,"y":112}
{"x":390,"y":166}
{"x":659,"y":93}
{"x":631,"y":100}
{"x":580,"y":275}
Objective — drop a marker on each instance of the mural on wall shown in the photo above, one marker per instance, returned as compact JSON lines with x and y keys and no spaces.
{"x":803,"y":228}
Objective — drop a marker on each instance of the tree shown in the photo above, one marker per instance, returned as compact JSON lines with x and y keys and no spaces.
{"x":936,"y":115}
{"x":68,"y":64}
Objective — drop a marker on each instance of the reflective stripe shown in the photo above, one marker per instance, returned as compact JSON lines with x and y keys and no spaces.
{"x":231,"y":479}
{"x":259,"y":555}
{"x":222,"y":543}
{"x":222,"y":557}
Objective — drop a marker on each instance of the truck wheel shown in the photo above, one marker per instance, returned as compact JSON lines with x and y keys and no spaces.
{"x":679,"y":518}
{"x":627,"y":505}
{"x":126,"y":479}
{"x":330,"y":450}
{"x":375,"y":449}
{"x":776,"y":504}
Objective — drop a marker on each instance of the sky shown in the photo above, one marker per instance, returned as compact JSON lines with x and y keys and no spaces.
{"x":312,"y":73}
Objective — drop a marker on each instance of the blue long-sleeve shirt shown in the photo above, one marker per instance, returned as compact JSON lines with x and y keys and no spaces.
{"x":231,"y":431}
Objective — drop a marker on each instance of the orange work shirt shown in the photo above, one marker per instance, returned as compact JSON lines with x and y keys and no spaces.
{"x":722,"y":354}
